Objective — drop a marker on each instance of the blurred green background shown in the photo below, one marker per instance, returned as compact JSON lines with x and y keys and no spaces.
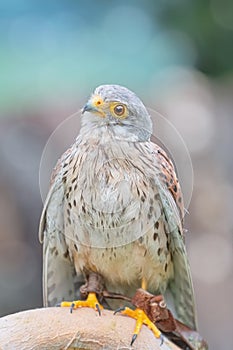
{"x":178,"y":57}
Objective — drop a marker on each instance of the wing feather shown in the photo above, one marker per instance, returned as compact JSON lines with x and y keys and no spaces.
{"x":181,"y":286}
{"x":60,"y":280}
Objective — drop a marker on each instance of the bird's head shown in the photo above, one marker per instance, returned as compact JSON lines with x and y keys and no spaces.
{"x":118,"y":108}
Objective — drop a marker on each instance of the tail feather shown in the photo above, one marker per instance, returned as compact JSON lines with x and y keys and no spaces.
{"x":181,"y":287}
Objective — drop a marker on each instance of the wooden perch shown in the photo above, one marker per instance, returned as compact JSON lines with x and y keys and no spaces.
{"x":57,"y":328}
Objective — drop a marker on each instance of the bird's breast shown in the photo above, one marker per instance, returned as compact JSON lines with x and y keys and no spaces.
{"x":111,"y":211}
{"x":110,"y":198}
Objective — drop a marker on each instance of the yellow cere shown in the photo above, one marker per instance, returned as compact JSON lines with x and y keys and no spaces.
{"x":97,"y":101}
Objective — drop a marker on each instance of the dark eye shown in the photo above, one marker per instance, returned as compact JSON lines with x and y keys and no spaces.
{"x":119,"y":110}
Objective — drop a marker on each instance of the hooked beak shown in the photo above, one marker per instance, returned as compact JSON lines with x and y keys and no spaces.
{"x":89,"y":107}
{"x":92,"y":107}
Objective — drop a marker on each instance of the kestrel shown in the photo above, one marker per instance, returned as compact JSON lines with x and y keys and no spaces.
{"x":115,"y":209}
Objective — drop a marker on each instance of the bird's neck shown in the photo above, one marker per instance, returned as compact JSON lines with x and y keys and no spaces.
{"x":112,"y":131}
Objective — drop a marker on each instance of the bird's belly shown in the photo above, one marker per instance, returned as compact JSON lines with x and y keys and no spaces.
{"x":111,"y":215}
{"x":125,"y":266}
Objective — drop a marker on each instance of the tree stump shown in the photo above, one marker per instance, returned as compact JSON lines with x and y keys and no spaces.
{"x":57,"y":328}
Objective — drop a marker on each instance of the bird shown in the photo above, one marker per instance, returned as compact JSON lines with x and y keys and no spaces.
{"x":115,"y":209}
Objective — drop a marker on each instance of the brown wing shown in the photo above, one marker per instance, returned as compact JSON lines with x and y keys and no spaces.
{"x":59,"y":165}
{"x":169,"y":178}
{"x":60,"y":280}
{"x":180,"y":287}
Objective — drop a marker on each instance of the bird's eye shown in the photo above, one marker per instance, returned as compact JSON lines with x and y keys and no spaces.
{"x":119,"y":110}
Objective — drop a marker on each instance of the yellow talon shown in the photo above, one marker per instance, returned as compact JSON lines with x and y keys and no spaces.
{"x":141,"y":319}
{"x":91,"y":302}
{"x":144,"y":283}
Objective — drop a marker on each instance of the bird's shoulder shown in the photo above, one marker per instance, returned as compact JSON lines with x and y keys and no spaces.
{"x":57,"y":170}
{"x":168,"y":176}
{"x":54,"y":200}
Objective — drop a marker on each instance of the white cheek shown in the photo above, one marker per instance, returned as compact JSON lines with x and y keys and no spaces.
{"x":122,"y":133}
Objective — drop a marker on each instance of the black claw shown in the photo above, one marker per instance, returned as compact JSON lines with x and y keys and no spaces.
{"x":72,"y":307}
{"x":119,"y":310}
{"x":134,"y":337}
{"x":162,"y":339}
{"x":98,"y":309}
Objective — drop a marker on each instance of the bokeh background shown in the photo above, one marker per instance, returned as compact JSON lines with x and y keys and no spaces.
{"x":178,"y":57}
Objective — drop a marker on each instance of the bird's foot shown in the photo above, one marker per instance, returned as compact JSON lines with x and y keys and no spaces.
{"x":141,"y":318}
{"x":91,"y":302}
